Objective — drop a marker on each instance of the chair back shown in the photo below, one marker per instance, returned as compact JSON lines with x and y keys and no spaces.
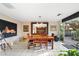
{"x":44,"y":40}
{"x":36,"y":40}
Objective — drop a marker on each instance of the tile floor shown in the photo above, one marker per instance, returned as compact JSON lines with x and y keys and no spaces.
{"x":20,"y":49}
{"x":69,"y":43}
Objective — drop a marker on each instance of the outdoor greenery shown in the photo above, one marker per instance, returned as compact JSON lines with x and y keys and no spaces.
{"x":72,"y":52}
{"x":61,"y":32}
{"x":75,"y":34}
{"x":77,"y":31}
{"x":61,"y":37}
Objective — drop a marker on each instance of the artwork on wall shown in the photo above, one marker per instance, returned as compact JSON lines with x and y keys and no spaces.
{"x":8,"y":29}
{"x":53,"y":28}
{"x":25,"y":28}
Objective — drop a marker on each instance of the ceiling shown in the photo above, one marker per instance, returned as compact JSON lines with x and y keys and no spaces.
{"x":32,"y":11}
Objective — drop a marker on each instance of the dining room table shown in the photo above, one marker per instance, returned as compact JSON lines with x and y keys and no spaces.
{"x":41,"y":39}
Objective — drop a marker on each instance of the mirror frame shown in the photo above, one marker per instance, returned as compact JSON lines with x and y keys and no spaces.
{"x":38,"y":22}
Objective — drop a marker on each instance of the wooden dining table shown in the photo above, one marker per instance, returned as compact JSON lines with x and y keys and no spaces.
{"x":41,"y":38}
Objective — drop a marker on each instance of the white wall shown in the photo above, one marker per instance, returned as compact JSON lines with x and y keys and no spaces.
{"x":19,"y":24}
{"x":56,"y":23}
{"x":50,"y":23}
{"x":26,"y":23}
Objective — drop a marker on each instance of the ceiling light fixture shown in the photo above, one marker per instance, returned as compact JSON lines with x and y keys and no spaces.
{"x":59,"y":14}
{"x":8,"y":5}
{"x":40,"y":24}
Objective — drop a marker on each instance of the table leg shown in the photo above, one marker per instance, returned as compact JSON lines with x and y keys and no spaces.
{"x":46,"y":45}
{"x":28,"y":47}
{"x":52,"y":44}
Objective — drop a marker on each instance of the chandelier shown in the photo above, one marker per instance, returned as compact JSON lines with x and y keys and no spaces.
{"x":40,"y":24}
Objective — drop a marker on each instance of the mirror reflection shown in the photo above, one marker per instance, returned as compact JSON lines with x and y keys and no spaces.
{"x":39,"y":28}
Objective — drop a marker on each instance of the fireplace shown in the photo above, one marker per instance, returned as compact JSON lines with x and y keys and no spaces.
{"x":7,"y":28}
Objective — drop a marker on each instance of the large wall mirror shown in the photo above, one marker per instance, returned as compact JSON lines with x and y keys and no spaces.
{"x":40,"y":28}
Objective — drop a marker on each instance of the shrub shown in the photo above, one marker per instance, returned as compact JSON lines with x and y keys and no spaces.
{"x":72,"y":52}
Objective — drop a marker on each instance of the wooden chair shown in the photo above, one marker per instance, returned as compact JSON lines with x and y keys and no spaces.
{"x":41,"y":41}
{"x":36,"y":41}
{"x":44,"y":41}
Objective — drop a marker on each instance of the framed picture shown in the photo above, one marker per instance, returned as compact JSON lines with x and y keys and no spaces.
{"x":25,"y":28}
{"x":53,"y":28}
